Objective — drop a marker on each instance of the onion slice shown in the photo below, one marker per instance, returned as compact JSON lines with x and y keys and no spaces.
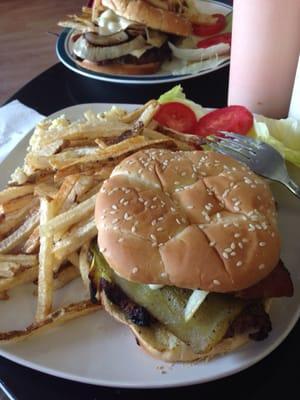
{"x":199,"y":54}
{"x":96,"y":39}
{"x":92,"y":53}
{"x":194,"y":302}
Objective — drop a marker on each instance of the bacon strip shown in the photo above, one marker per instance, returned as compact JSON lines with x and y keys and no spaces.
{"x":277,"y":284}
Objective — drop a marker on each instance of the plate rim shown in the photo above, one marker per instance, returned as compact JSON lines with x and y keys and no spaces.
{"x":68,"y":61}
{"x":137,"y":385}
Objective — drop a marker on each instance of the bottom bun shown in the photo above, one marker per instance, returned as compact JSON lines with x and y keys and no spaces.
{"x":121,"y":69}
{"x":162,"y":344}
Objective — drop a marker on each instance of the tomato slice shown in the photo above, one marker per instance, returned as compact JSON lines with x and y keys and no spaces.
{"x":205,"y":29}
{"x":213,"y":40}
{"x":236,"y":119}
{"x":176,"y":116}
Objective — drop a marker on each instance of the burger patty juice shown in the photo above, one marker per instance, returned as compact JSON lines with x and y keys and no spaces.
{"x":189,"y":252}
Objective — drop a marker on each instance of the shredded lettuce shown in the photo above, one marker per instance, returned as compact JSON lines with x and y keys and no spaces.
{"x":282,"y":134}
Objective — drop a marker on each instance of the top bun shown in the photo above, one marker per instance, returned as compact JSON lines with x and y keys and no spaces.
{"x":156,"y":18}
{"x":192,"y":219}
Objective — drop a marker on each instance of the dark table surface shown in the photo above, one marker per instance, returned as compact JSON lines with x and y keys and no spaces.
{"x":276,"y":375}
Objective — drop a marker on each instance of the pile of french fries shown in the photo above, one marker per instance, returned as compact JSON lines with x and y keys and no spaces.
{"x":47,"y":210}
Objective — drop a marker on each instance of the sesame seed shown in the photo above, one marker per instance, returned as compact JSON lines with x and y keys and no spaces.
{"x":236,"y":208}
{"x":245,"y":240}
{"x":183,"y":173}
{"x":233,"y":253}
{"x":239,"y":263}
{"x":225,"y":255}
{"x":112,"y":212}
{"x":114,"y":207}
{"x":228,"y":250}
{"x":121,"y":240}
{"x":258,"y":197}
{"x":176,"y":183}
{"x":153,"y":206}
{"x":154,"y":244}
{"x":237,"y":235}
{"x":154,"y":222}
{"x":154,"y":198}
{"x":262,"y":244}
{"x":125,"y":203}
{"x":114,"y":221}
{"x":153,"y":237}
{"x":261,"y":266}
{"x":207,"y":218}
{"x":134,"y":270}
{"x":216,"y":282}
{"x":232,"y":246}
{"x":218,"y":215}
{"x":240,"y":244}
{"x":178,"y":221}
{"x":190,"y":207}
{"x":163,"y":274}
{"x":172,"y":209}
{"x":160,"y":218}
{"x":126,"y":191}
{"x":133,"y":229}
{"x":211,"y":244}
{"x":251,"y":228}
{"x":140,"y":199}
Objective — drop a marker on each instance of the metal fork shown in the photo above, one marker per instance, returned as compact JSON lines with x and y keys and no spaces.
{"x":259,"y":156}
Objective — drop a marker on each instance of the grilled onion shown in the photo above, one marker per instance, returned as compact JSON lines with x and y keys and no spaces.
{"x":84,"y":50}
{"x":116,"y":38}
{"x":199,"y":54}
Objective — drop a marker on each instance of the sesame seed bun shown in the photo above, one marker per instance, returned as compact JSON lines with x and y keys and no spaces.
{"x":160,"y":343}
{"x":189,"y":219}
{"x":156,"y":18}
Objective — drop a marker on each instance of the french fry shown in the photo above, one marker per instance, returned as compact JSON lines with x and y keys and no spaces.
{"x":25,"y":276}
{"x":58,"y":317}
{"x":64,"y":192}
{"x":135,"y":114}
{"x":14,"y":220}
{"x":45,"y":279}
{"x":193,"y":140}
{"x":15,"y":204}
{"x":32,"y":243}
{"x":21,"y":259}
{"x":94,"y":190}
{"x":45,"y":190}
{"x":65,"y":220}
{"x":116,"y":151}
{"x":75,"y":239}
{"x":19,"y":234}
{"x":8,"y":269}
{"x":148,"y":113}
{"x":74,"y":259}
{"x":65,"y":276}
{"x":14,"y":192}
{"x":84,"y":264}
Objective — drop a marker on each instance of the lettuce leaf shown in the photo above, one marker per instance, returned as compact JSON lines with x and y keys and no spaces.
{"x":282,"y":134}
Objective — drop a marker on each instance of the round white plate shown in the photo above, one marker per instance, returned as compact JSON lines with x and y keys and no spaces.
{"x":96,"y":349}
{"x":65,"y":54}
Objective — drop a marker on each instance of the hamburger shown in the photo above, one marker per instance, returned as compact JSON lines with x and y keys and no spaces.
{"x":188,"y":253}
{"x":130,"y":36}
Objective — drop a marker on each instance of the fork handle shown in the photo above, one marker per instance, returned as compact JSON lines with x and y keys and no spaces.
{"x":293,"y":187}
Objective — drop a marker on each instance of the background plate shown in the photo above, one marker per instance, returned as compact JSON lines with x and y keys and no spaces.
{"x":96,"y":349}
{"x":64,"y":53}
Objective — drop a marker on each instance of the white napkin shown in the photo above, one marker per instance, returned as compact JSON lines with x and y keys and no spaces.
{"x":16,"y":120}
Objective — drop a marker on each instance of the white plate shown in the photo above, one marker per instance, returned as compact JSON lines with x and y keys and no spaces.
{"x":96,"y":349}
{"x":64,"y":52}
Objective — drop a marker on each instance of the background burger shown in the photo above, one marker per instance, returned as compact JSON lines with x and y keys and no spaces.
{"x":130,"y":36}
{"x":189,"y":253}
